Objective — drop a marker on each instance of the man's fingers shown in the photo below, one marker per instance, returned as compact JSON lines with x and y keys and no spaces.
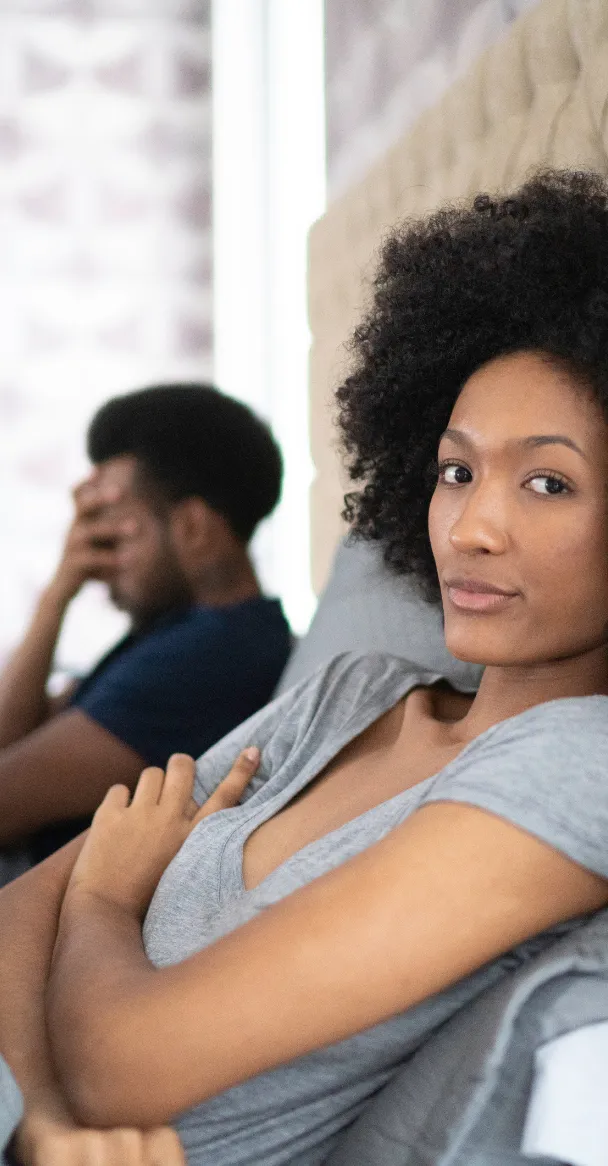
{"x":229,"y":792}
{"x":97,"y":564}
{"x":86,"y":485}
{"x":93,"y":493}
{"x":101,"y":531}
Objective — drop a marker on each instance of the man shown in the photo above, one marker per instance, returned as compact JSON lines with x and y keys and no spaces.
{"x":182,"y":477}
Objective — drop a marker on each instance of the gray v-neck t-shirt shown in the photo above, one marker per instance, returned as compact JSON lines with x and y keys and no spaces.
{"x":545,"y":770}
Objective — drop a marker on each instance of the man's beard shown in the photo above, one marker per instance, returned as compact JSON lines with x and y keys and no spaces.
{"x":172,"y":595}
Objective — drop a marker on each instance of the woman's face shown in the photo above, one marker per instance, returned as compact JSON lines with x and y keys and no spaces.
{"x":521,"y":505}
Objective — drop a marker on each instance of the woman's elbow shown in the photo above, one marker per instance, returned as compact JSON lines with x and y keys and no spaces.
{"x":99,"y":1082}
{"x":83,"y":1061}
{"x":90,"y":1101}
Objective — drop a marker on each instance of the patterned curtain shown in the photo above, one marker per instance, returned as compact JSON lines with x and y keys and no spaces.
{"x":105,"y":253}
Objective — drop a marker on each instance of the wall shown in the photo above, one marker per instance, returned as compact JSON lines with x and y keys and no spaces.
{"x":387,"y":60}
{"x":536,"y":97}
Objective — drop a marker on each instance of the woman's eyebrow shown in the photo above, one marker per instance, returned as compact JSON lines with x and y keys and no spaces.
{"x":553,"y":439}
{"x":535,"y":440}
{"x":457,"y":436}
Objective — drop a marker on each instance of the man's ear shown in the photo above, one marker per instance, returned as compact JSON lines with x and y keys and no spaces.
{"x":193,"y":525}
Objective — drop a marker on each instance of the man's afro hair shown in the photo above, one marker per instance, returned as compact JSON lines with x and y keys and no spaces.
{"x":191,"y":440}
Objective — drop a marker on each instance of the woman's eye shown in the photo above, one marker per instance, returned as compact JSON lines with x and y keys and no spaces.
{"x":454,"y":474}
{"x":547,"y":485}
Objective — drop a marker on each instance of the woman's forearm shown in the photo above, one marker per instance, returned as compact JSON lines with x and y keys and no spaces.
{"x":440,"y":896}
{"x":99,"y":955}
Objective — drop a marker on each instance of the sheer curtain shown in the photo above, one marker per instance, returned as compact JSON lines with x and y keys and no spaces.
{"x":105,"y":254}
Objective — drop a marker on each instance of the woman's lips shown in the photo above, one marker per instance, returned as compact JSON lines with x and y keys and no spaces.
{"x":468,"y":600}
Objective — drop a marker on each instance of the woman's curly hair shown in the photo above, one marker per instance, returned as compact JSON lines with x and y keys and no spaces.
{"x":527,"y":272}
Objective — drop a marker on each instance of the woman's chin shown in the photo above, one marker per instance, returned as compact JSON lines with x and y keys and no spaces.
{"x":480,"y":648}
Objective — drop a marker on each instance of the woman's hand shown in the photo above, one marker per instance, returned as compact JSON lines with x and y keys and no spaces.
{"x":130,"y":843}
{"x":45,"y":1141}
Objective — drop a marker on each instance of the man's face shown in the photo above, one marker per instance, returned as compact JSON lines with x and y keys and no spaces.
{"x":148,"y":578}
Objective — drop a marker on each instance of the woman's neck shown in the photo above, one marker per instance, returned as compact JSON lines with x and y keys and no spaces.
{"x":505,"y":692}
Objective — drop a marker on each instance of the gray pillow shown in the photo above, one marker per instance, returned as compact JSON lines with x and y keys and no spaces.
{"x":365,"y":607}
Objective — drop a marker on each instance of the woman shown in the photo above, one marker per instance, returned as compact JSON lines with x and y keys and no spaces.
{"x":400,"y":844}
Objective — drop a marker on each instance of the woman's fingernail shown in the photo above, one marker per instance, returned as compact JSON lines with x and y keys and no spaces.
{"x":252,"y":753}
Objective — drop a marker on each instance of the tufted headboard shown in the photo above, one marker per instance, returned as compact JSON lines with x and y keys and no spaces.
{"x":539,"y":96}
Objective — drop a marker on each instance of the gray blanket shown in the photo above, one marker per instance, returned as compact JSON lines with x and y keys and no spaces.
{"x":461,"y":1099}
{"x":11,"y":1107}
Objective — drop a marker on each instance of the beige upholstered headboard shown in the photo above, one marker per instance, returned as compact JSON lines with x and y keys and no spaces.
{"x":539,"y":96}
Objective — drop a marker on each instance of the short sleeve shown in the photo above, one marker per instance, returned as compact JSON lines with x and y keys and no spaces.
{"x":546,"y":771}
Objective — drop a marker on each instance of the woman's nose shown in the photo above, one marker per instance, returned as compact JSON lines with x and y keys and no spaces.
{"x":481,"y":525}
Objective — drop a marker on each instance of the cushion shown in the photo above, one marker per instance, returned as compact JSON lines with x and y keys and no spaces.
{"x":366,"y":607}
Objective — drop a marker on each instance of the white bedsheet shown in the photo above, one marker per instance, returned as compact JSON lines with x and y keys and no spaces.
{"x":567,"y":1117}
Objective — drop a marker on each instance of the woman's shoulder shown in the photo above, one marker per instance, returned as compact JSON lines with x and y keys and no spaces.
{"x":567,"y":737}
{"x":546,"y":771}
{"x":579,"y":723}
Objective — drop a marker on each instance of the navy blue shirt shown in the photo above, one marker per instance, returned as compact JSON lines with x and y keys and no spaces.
{"x":182,"y":684}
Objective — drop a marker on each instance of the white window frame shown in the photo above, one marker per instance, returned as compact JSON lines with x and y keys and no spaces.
{"x":268,"y":187}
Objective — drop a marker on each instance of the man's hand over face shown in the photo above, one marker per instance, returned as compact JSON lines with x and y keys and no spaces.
{"x":91,"y":543}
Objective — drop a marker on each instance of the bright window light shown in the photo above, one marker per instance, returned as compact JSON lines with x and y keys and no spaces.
{"x":268,"y":187}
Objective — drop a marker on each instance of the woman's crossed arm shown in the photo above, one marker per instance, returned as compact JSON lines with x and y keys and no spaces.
{"x":29,"y":912}
{"x":449,"y":890}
